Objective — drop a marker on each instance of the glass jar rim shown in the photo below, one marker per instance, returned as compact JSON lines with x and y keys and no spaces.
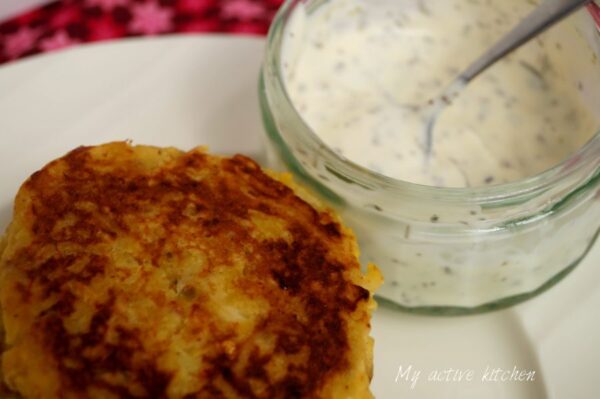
{"x":586,"y":156}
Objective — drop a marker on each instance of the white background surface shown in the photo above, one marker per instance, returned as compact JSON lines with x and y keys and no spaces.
{"x":9,"y":8}
{"x":187,"y":91}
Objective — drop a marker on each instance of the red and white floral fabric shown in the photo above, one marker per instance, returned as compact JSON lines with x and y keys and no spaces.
{"x":66,"y":23}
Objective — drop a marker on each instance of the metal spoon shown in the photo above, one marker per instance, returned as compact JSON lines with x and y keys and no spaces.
{"x":542,"y":17}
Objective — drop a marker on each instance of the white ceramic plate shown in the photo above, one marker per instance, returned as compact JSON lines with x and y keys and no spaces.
{"x":188,"y":91}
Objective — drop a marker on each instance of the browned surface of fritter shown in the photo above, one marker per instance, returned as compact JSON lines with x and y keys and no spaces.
{"x":134,"y":272}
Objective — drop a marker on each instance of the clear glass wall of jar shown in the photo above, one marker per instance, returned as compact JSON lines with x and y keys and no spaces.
{"x":448,"y":250}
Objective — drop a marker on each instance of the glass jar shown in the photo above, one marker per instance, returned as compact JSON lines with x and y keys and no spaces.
{"x":450,"y":250}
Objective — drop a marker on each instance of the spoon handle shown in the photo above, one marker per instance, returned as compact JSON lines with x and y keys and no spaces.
{"x":541,"y":18}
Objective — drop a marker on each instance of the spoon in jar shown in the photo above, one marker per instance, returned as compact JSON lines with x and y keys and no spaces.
{"x":542,"y":17}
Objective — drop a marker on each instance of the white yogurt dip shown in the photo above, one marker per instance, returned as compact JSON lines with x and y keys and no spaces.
{"x":353,"y":70}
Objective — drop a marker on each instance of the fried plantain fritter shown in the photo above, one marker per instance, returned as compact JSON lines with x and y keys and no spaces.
{"x":145,"y":272}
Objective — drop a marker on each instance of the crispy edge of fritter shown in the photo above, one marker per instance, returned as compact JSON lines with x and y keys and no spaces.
{"x":371,"y":279}
{"x":5,"y":392}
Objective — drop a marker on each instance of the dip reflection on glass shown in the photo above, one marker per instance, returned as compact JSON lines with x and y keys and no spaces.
{"x":507,"y":205}
{"x":357,"y":70}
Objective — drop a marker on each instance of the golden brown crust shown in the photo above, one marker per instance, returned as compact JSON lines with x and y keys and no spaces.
{"x":143,"y":272}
